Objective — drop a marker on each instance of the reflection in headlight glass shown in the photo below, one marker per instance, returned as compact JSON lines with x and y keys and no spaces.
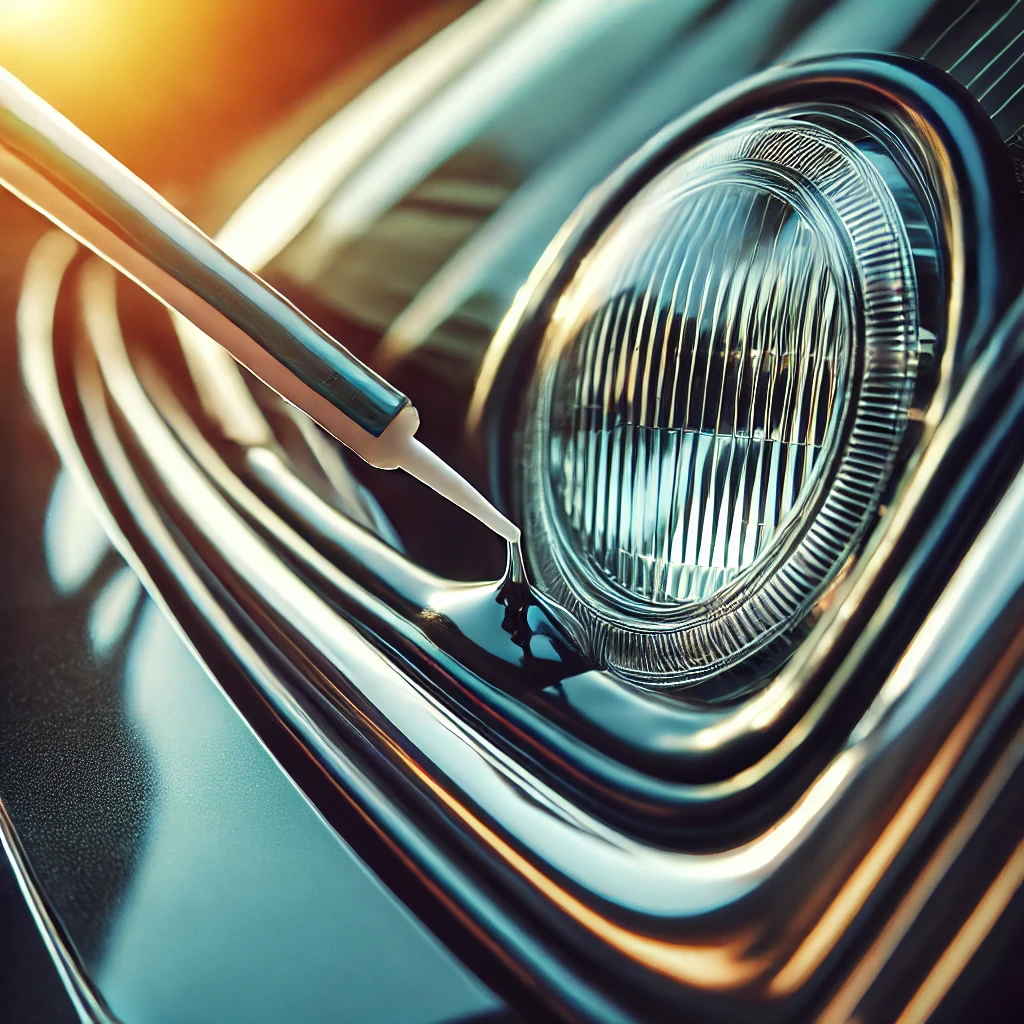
{"x":696,"y":400}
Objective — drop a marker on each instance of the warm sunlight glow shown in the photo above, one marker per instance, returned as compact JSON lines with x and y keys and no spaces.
{"x":29,"y":15}
{"x":172,"y":88}
{"x":50,"y":32}
{"x":103,"y":63}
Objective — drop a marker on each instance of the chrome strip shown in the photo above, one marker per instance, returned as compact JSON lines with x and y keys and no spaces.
{"x":44,"y":273}
{"x":716,"y":922}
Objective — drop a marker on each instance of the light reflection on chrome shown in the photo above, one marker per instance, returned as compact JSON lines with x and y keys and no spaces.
{"x":73,"y":539}
{"x":232,"y":851}
{"x":111,"y":612}
{"x":564,"y":854}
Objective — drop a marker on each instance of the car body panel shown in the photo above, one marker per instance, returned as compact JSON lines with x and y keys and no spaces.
{"x":157,"y":820}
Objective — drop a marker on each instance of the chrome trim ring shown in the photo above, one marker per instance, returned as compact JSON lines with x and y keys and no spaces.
{"x":848,"y":209}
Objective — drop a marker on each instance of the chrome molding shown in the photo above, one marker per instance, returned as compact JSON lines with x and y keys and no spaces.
{"x":705,"y":927}
{"x":621,"y":855}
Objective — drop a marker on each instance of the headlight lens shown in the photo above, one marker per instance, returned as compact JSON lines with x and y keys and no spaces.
{"x":722,"y":392}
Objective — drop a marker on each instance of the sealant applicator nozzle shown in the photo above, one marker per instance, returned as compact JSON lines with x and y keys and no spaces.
{"x":46,"y":161}
{"x":419,"y":461}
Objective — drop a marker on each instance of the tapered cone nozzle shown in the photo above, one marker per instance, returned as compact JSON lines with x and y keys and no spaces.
{"x":419,"y":461}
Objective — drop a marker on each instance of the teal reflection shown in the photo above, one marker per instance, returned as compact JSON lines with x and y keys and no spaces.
{"x":245,"y":905}
{"x":111,"y":612}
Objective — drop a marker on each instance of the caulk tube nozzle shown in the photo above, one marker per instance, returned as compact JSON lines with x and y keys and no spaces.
{"x":398,"y":448}
{"x":419,"y":461}
{"x":53,"y":167}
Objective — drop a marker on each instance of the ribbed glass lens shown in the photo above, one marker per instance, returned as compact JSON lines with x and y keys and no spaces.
{"x":695,"y":400}
{"x":720,"y":396}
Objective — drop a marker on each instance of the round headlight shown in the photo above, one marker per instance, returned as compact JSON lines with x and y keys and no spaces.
{"x":721,"y":394}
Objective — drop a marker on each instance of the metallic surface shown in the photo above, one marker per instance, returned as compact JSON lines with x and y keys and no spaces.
{"x":813,"y":850}
{"x":204,"y":886}
{"x":651,"y":909}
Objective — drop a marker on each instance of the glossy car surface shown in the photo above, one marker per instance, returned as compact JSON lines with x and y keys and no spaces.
{"x":270,"y":749}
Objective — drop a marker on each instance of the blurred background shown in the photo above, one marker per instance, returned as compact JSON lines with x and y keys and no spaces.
{"x":184,"y":93}
{"x":173,"y":87}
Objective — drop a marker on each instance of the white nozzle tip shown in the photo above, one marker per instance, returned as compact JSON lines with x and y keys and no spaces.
{"x":422,"y":463}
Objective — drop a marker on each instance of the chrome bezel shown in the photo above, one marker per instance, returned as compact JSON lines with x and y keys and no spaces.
{"x":846,"y":197}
